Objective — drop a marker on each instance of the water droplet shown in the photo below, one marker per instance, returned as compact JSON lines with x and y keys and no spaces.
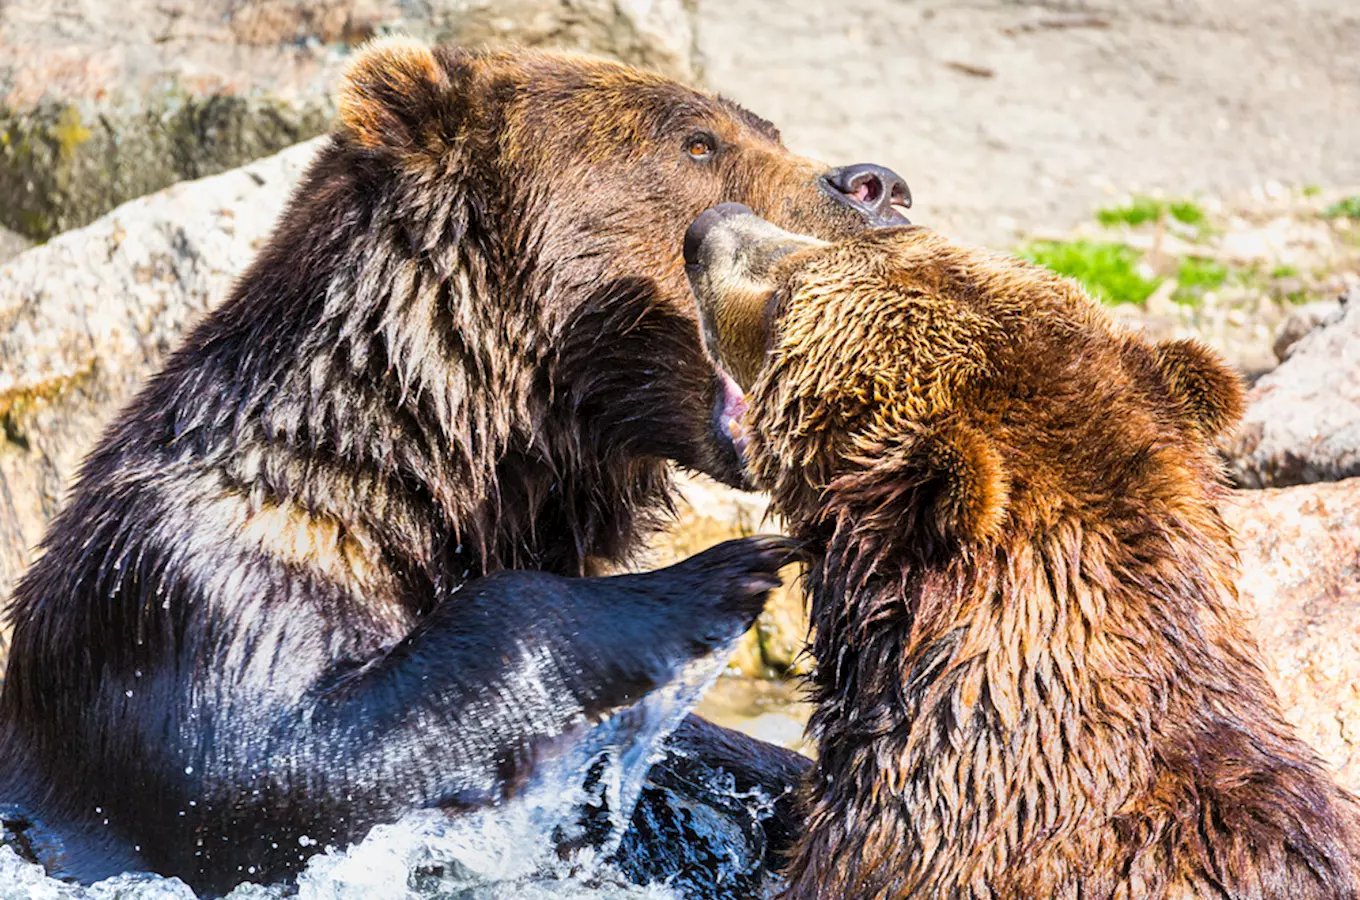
{"x":188,"y":770}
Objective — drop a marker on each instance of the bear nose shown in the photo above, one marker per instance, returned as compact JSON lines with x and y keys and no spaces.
{"x":873,"y":191}
{"x":700,"y":227}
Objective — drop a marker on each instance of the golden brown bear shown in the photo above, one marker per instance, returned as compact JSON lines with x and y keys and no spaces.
{"x":1032,"y":679}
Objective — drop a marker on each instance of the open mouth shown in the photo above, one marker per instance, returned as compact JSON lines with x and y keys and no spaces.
{"x":730,"y":413}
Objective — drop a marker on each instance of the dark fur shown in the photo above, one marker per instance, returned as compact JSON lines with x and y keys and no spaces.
{"x":1032,"y":679}
{"x":466,"y":349}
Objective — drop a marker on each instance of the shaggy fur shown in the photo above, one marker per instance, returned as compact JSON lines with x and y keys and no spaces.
{"x":467,"y":348}
{"x":1032,"y":676}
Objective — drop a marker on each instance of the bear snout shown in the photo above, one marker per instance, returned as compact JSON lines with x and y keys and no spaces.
{"x":730,"y":257}
{"x":876,"y":192}
{"x":699,"y":228}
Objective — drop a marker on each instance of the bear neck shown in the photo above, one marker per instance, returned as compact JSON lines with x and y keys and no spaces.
{"x":390,"y":371}
{"x":976,"y":708}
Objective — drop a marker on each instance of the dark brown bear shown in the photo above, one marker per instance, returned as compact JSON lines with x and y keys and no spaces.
{"x":1032,"y":676}
{"x":467,"y":348}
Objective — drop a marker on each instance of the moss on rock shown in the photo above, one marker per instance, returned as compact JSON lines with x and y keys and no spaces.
{"x":62,"y":165}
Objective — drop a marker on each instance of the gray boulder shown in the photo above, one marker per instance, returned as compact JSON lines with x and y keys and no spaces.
{"x":101,"y":102}
{"x":11,"y":244}
{"x":90,"y":314}
{"x":1302,"y":423}
{"x":655,"y":34}
{"x":1300,"y":583}
{"x":1301,"y":322}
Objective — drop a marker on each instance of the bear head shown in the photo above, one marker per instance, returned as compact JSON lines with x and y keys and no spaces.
{"x":555,"y":188}
{"x":928,"y":397}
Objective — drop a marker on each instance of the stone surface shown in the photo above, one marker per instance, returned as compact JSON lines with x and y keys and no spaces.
{"x":102,"y":102}
{"x":1300,"y":550}
{"x":1300,"y":323}
{"x":11,"y":244}
{"x":657,"y":34}
{"x":1302,"y":423}
{"x":1016,"y":114}
{"x":90,"y":314}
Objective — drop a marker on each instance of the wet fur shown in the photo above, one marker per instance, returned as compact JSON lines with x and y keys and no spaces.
{"x":1032,"y":679}
{"x":466,"y":349}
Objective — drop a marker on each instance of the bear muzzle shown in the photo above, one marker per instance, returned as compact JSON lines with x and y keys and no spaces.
{"x":730,"y":254}
{"x":877,"y":193}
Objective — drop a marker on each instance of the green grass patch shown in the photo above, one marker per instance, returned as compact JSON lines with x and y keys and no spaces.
{"x":1143,"y":210}
{"x":1284,"y":272}
{"x":1201,"y":273}
{"x":1195,"y":276}
{"x":1347,"y":207}
{"x":1109,"y":271}
{"x":1187,"y":212}
{"x":1312,"y":190}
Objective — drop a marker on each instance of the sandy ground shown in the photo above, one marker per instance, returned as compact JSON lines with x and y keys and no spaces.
{"x":1009,"y":116}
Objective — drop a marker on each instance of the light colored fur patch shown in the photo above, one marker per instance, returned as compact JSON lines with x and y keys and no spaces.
{"x":294,"y":536}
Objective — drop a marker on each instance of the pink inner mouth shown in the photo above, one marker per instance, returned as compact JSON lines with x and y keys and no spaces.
{"x":732,"y":416}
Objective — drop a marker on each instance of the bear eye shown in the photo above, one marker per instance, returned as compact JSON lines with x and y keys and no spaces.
{"x":701,"y":146}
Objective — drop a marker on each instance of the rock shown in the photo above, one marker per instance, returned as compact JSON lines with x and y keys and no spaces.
{"x":1300,"y":322}
{"x":717,"y":816}
{"x":656,"y":34}
{"x":1300,"y":550}
{"x":11,"y":244}
{"x":1302,"y":423}
{"x":90,"y":314}
{"x":103,"y":102}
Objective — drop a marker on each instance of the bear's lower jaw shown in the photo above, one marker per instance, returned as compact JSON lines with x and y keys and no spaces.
{"x":730,"y":414}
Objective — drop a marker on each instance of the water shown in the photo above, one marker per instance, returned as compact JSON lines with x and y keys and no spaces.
{"x":415,"y":859}
{"x":506,"y":852}
{"x":773,"y":711}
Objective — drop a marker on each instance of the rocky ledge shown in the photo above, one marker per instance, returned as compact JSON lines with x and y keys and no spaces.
{"x":102,"y":102}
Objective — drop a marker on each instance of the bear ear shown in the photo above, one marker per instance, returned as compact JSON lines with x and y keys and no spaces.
{"x":974,"y":491}
{"x":1209,"y":393}
{"x":391,"y":94}
{"x":948,"y":482}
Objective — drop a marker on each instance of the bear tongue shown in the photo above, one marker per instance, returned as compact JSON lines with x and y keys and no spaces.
{"x":732,"y":416}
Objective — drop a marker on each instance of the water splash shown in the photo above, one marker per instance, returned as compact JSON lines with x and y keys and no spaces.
{"x":396,"y":862}
{"x":582,"y":798}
